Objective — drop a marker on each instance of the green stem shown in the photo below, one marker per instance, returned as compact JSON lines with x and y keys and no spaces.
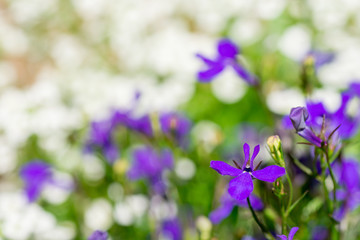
{"x":332,"y":176}
{"x":262,"y":227}
{"x":290,"y":190}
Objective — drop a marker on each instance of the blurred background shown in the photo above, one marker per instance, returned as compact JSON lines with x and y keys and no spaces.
{"x":65,"y":63}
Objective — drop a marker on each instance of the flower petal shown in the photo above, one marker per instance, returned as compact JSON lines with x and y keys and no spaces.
{"x":246,"y":148}
{"x":226,"y":48}
{"x":224,"y":169}
{"x":270,"y":173}
{"x":209,"y":74}
{"x":282,"y":237}
{"x":292,"y":232}
{"x":206,"y":60}
{"x":241,"y":186}
{"x":244,"y":74}
{"x":221,"y":213}
{"x":255,"y":153}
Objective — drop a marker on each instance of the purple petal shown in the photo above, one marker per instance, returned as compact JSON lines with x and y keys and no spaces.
{"x":171,"y":229}
{"x":286,"y":123}
{"x":339,"y":213}
{"x":98,"y":235}
{"x":310,"y":136}
{"x":255,"y":153}
{"x":298,"y":116}
{"x":209,"y":74}
{"x":206,"y":60}
{"x":221,"y":213}
{"x":246,"y":148}
{"x":111,"y":153}
{"x":226,"y":48}
{"x":244,"y":74}
{"x":241,"y":186}
{"x":292,"y":232}
{"x":270,"y":173}
{"x":282,"y":237}
{"x":350,"y":175}
{"x":256,"y":202}
{"x":224,"y":168}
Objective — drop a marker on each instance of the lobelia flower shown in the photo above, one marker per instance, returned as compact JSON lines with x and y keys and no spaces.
{"x":227,"y":204}
{"x":241,"y":186}
{"x":175,"y":125}
{"x":36,"y":175}
{"x":298,"y":117}
{"x":291,"y":234}
{"x":226,"y":56}
{"x":311,"y":119}
{"x":98,"y":235}
{"x":348,"y":176}
{"x":171,"y":229}
{"x":148,"y":164}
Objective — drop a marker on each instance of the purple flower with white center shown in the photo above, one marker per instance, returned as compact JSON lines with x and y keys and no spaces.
{"x":227,"y":204}
{"x":319,"y":58}
{"x":226,"y":56}
{"x":175,"y":125}
{"x":98,"y":235}
{"x":348,"y":176}
{"x":241,"y":186}
{"x":171,"y":229}
{"x":291,"y":234}
{"x":150,"y":165}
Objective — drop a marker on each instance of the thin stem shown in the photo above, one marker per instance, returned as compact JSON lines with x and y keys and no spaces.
{"x":262,"y":227}
{"x":331,"y":175}
{"x":290,"y":190}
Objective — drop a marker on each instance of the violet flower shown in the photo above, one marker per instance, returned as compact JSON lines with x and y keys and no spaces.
{"x":226,"y":56}
{"x":176,"y":126}
{"x":148,"y":164}
{"x":298,"y":117}
{"x":291,"y":234}
{"x":171,"y":229}
{"x":228,"y":203}
{"x":241,"y":186}
{"x":98,"y":235}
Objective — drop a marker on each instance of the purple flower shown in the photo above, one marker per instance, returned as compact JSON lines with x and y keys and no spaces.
{"x":241,"y":186}
{"x":98,"y":235}
{"x":227,"y":204}
{"x":148,"y":164}
{"x":36,"y":175}
{"x":171,"y":229}
{"x":226,"y":56}
{"x":319,"y":58}
{"x":291,"y":234}
{"x":298,"y":117}
{"x":175,"y":125}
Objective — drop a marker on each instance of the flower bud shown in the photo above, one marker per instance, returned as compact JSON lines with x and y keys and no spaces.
{"x":276,"y":152}
{"x":298,"y":116}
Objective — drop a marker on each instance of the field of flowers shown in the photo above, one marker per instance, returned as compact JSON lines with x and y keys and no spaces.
{"x":179,"y":119}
